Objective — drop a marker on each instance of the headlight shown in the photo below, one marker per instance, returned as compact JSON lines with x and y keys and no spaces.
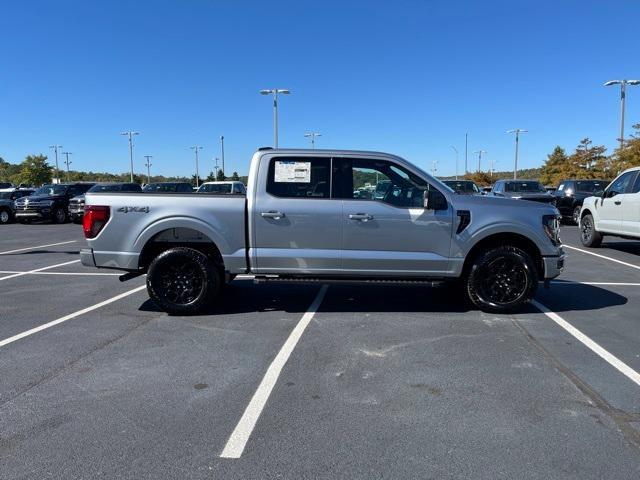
{"x":551,"y":225}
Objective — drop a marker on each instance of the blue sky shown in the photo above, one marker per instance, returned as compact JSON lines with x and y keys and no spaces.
{"x":407,"y":77}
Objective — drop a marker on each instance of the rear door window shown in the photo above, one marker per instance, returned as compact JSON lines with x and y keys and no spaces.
{"x":303,"y":177}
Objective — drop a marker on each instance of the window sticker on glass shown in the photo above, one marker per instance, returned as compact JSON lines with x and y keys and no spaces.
{"x":292,"y":172}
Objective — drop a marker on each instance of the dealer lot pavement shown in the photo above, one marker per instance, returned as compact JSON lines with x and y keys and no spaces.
{"x":386,"y":382}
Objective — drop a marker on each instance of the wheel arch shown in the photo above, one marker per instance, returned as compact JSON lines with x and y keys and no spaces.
{"x":503,"y":239}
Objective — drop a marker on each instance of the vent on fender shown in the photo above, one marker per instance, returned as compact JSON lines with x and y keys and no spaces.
{"x":465,"y":220}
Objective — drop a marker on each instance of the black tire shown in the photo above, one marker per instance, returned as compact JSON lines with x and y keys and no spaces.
{"x":59,"y":215}
{"x":501,"y":280}
{"x":5,"y":216}
{"x":183,"y":281}
{"x":589,"y":236}
{"x":576,"y":214}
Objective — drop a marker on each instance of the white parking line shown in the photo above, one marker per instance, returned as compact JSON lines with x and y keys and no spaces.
{"x":39,"y":246}
{"x":9,"y":340}
{"x":238,"y":439}
{"x":64,"y":273}
{"x":611,"y":359}
{"x":601,"y":256}
{"x":38,"y":270}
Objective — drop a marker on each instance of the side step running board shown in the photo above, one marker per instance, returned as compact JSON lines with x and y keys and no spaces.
{"x":348,"y":281}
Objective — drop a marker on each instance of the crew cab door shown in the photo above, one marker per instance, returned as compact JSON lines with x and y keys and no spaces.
{"x":610,"y":207}
{"x":631,"y":209}
{"x":296,"y":224}
{"x":386,"y":229}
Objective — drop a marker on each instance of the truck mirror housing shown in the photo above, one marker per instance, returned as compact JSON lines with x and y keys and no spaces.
{"x":434,"y":200}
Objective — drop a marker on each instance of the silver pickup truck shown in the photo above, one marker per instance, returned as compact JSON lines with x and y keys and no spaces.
{"x":331,"y":216}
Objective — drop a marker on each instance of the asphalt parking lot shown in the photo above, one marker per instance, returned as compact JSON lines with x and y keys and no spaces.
{"x":384,"y":382}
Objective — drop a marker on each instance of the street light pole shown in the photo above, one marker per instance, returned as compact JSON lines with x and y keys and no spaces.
{"x":466,"y":145}
{"x":67,"y":162}
{"x":222,"y":149}
{"x":55,"y":149}
{"x":148,"y":165}
{"x":493,"y":167}
{"x":312,"y":136}
{"x":434,"y":167}
{"x":195,"y":148}
{"x":623,"y":93}
{"x":456,"y":150}
{"x":130,"y":134}
{"x":480,"y":152}
{"x":275,"y":92}
{"x":517,"y":131}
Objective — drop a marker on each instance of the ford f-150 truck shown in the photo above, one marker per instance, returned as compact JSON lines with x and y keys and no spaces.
{"x":302,"y":220}
{"x":614,"y":211}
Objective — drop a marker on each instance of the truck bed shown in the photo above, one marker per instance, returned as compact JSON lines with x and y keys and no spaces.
{"x":137,"y":218}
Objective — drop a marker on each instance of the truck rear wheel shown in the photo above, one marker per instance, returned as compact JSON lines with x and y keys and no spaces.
{"x":182,"y":281}
{"x":502,"y":280}
{"x":589,"y":236}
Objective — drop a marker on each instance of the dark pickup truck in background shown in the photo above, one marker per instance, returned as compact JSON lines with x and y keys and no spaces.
{"x":49,"y":202}
{"x":570,"y":195}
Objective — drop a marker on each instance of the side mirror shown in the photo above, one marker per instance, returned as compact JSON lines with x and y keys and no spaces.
{"x":434,"y":200}
{"x":598,"y":193}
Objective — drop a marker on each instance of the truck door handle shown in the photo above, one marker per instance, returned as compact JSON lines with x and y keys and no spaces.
{"x":617,"y":202}
{"x":272,"y":214}
{"x":362,"y":217}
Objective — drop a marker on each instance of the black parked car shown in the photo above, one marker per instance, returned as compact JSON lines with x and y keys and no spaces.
{"x":571,"y":193}
{"x":168,"y":187}
{"x":49,"y":202}
{"x":463,"y":187}
{"x":7,"y":200}
{"x":76,"y":204}
{"x":522,"y":189}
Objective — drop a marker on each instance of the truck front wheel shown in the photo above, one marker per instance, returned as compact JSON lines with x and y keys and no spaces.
{"x":502,"y":279}
{"x":589,"y":236}
{"x":182,"y":281}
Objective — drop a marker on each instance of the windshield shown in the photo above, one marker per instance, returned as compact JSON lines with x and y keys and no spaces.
{"x":525,"y":187}
{"x":106,"y":188}
{"x":590,"y":186}
{"x":51,"y":190}
{"x":462,"y":186}
{"x":215,"y":188}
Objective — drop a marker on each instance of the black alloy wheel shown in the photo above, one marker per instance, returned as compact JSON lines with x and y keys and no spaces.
{"x":589,"y":236}
{"x":59,"y":215}
{"x":502,"y":280}
{"x":5,"y":216}
{"x":183,"y":281}
{"x":576,"y":214}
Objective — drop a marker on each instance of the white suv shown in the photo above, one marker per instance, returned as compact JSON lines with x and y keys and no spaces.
{"x":615,"y":212}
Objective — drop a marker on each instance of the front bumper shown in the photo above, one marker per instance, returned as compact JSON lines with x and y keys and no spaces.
{"x":20,"y":214}
{"x":554,"y":265}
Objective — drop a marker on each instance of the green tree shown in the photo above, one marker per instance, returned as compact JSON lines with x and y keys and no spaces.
{"x":589,"y":161}
{"x":211,"y":177}
{"x":35,"y":170}
{"x":220,"y":176}
{"x":629,"y":155}
{"x":555,"y":168}
{"x":235,"y":177}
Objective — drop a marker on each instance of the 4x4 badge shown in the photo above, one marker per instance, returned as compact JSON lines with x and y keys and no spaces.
{"x":134,"y":209}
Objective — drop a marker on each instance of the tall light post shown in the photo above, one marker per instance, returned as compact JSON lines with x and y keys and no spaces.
{"x":517,"y":131}
{"x":623,"y":93}
{"x":67,"y":162}
{"x":456,"y":150}
{"x":55,"y":149}
{"x":275,"y":92}
{"x":480,"y":152}
{"x":466,"y":148}
{"x":130,"y":134}
{"x":195,"y":148}
{"x":222,"y":151}
{"x":312,"y":136}
{"x":148,"y":165}
{"x":434,"y":167}
{"x":493,"y":167}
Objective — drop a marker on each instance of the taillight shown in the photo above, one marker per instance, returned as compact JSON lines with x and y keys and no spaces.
{"x":95,"y":218}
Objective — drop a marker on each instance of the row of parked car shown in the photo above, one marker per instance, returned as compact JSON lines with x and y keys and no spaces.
{"x":568,"y":196}
{"x":63,"y":202}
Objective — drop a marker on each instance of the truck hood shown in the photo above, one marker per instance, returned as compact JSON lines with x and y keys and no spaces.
{"x":38,"y":198}
{"x":470,"y":202}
